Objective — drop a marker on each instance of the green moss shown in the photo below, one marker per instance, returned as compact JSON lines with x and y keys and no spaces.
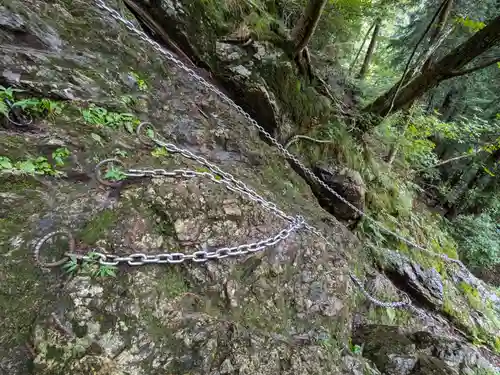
{"x":303,"y":102}
{"x":98,"y":226}
{"x":173,"y":284}
{"x":497,"y":344}
{"x":472,"y":296}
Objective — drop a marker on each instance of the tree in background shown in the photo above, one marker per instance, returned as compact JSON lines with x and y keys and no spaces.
{"x":371,"y":49}
{"x":454,"y":64}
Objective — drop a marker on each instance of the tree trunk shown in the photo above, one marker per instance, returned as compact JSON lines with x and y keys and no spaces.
{"x":443,"y":18}
{"x":449,"y":107}
{"x":430,"y":102}
{"x":447,"y":67}
{"x":306,"y":25}
{"x":369,"y":52}
{"x":351,"y":68}
{"x":447,"y":103}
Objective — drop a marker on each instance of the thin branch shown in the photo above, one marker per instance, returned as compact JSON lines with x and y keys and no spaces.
{"x":306,"y":25}
{"x":477,"y":67}
{"x":449,"y":161}
{"x":426,"y":57}
{"x":407,"y":67}
{"x":351,"y":68}
{"x":297,"y":137}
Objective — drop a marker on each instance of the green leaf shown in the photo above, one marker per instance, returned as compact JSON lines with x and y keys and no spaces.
{"x":391,"y":314}
{"x":150,"y":133}
{"x":488,"y":171}
{"x":5,"y":163}
{"x":4,"y":109}
{"x":97,"y":138}
{"x":60,"y":154}
{"x":110,"y":272}
{"x":356,"y":349}
{"x":159,"y":152}
{"x":115,"y":174}
{"x":27,"y":103}
{"x":26,"y":166}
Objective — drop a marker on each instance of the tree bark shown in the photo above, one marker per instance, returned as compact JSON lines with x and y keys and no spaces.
{"x":351,"y":68}
{"x":443,"y":19}
{"x":445,"y":68}
{"x":306,"y":25}
{"x":369,"y":52}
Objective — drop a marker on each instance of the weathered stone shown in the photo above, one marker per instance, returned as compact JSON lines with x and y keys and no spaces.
{"x":428,"y":365}
{"x":423,"y":284}
{"x":348,"y":183}
{"x":398,"y":353}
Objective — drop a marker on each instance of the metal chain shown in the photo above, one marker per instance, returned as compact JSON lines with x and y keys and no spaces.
{"x":139,"y":259}
{"x":232,"y":184}
{"x":284,"y":152}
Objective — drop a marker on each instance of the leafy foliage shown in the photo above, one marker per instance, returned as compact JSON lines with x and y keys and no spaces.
{"x":115,"y":174}
{"x":479,"y":237}
{"x":89,"y":266}
{"x":34,"y":166}
{"x":42,"y":107}
{"x":102,"y":117}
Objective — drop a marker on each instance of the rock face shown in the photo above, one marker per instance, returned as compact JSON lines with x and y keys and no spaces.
{"x":349,"y":184}
{"x":424,"y":284}
{"x":285,"y":310}
{"x":471,"y":305}
{"x":419,"y":353}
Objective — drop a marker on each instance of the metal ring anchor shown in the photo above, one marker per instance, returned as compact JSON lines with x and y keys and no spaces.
{"x":64,"y":259}
{"x":144,"y":139}
{"x":98,"y":173}
{"x":28,"y":120}
{"x":19,"y":121}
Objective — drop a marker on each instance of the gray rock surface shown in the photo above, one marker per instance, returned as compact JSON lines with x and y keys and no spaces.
{"x":286,"y":310}
{"x":424,"y":284}
{"x":418,"y":353}
{"x":349,"y":184}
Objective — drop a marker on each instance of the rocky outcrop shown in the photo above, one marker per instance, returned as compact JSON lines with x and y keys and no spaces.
{"x":348,"y":183}
{"x":448,"y":290}
{"x":419,"y":353}
{"x":424,"y":284}
{"x":284,"y":310}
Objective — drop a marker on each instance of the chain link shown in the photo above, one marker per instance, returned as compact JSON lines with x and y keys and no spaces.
{"x":234,"y":185}
{"x":284,"y":152}
{"x":139,"y":259}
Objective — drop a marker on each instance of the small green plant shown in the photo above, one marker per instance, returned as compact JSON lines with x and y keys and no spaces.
{"x":60,"y":155}
{"x":141,"y":83}
{"x":356,"y":349}
{"x":5,"y":163}
{"x":102,"y":117}
{"x":115,"y":174}
{"x":159,"y":152}
{"x":89,"y":266}
{"x":44,"y":107}
{"x":71,"y":266}
{"x":202,"y":170}
{"x":6,"y":93}
{"x":38,"y":166}
{"x":34,"y":105}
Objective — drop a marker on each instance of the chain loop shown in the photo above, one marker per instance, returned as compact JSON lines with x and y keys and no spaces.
{"x":232,"y":184}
